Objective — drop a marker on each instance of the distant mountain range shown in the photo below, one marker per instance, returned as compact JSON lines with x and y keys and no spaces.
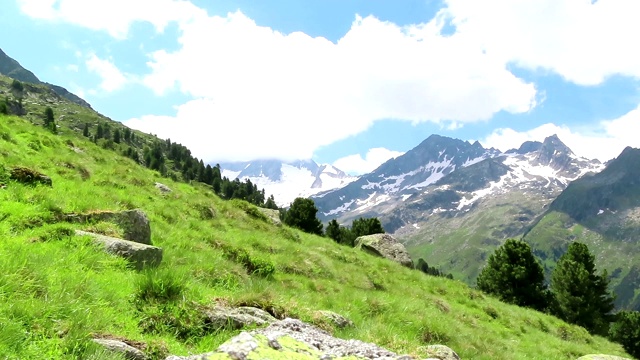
{"x":288,"y":180}
{"x":11,"y":68}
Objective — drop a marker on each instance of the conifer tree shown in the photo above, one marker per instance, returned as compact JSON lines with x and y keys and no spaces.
{"x":302,"y":214}
{"x":514,"y":275}
{"x":116,"y":136}
{"x":626,"y":331}
{"x":85,"y":131}
{"x":48,"y":117}
{"x":581,"y":295}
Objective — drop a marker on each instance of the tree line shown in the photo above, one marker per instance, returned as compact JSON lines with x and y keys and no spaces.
{"x":577,"y":293}
{"x":302,"y":214}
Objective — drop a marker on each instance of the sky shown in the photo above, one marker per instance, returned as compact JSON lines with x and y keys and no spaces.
{"x":346,"y":82}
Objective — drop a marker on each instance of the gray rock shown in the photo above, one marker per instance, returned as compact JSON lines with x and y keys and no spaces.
{"x":237,"y":318}
{"x":271,"y":214}
{"x":120,"y":347}
{"x":134,"y":223}
{"x":163,"y":188}
{"x":293,"y":339}
{"x":601,"y":357}
{"x":386,"y":246}
{"x":441,"y":352}
{"x":140,"y":255}
{"x":335,"y":318}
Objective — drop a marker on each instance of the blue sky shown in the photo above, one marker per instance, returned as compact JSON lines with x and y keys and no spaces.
{"x":345,"y":82}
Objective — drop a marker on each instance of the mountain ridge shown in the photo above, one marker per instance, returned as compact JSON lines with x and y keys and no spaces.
{"x":12,"y":68}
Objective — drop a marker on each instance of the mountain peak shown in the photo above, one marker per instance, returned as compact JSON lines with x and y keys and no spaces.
{"x":554,"y":142}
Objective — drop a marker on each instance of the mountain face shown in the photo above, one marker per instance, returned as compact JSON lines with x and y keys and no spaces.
{"x":11,"y":68}
{"x":399,"y":178}
{"x":602,"y":211}
{"x":452,"y":203}
{"x":286,"y":181}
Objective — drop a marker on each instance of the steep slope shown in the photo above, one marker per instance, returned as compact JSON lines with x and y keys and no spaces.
{"x":457,"y":222}
{"x":397,"y":179}
{"x":286,"y":181}
{"x":58,"y":290}
{"x":602,"y":211}
{"x":11,"y":68}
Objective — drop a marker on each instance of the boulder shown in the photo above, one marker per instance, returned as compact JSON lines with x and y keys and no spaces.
{"x":293,"y":339}
{"x":163,"y":188}
{"x":271,"y":214}
{"x":441,"y":352}
{"x":140,"y":255}
{"x":601,"y":357}
{"x":237,"y":318}
{"x":386,"y":246}
{"x":129,"y":352}
{"x":336,"y":319}
{"x":134,"y":223}
{"x":29,"y":176}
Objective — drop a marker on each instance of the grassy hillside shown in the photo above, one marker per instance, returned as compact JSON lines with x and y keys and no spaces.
{"x":57,"y":290}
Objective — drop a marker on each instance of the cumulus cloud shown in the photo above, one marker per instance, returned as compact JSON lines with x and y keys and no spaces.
{"x":356,"y":165}
{"x":298,"y":93}
{"x":113,"y":16}
{"x":112,"y":78}
{"x":262,"y":93}
{"x":584,"y":41}
{"x":604,"y":140}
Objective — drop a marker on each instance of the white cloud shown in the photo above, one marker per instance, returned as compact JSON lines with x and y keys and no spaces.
{"x":584,"y":41}
{"x":603,"y":141}
{"x":112,"y":16}
{"x":112,"y":78}
{"x":356,"y":165}
{"x":298,"y":93}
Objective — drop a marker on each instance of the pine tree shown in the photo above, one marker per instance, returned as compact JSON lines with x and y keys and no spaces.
{"x":582,"y":296}
{"x":366,"y":226}
{"x":99,"y":132}
{"x":85,"y":131}
{"x":514,"y":275}
{"x":127,"y":135}
{"x":302,"y":215}
{"x":626,"y":331}
{"x":333,"y":230}
{"x":271,"y":203}
{"x":48,"y":117}
{"x":116,"y":136}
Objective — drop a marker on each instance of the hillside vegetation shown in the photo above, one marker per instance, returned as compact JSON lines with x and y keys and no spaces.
{"x":57,"y":290}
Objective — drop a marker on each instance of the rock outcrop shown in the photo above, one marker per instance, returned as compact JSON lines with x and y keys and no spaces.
{"x":441,"y":352}
{"x":134,"y":223}
{"x":293,"y":339}
{"x":119,"y":347}
{"x":163,"y":188}
{"x":271,"y":214}
{"x":237,"y":318}
{"x":386,"y":246}
{"x":29,"y":176}
{"x":140,"y":255}
{"x":336,"y":319}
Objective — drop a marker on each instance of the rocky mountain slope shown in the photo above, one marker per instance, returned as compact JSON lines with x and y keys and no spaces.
{"x":288,"y":180}
{"x":602,"y":211}
{"x":399,"y":178}
{"x":11,"y":68}
{"x":454,"y":202}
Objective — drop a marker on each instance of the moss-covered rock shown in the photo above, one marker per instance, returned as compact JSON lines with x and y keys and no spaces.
{"x":386,"y":246}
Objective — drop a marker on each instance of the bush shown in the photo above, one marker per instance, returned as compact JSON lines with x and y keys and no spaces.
{"x":626,"y":331}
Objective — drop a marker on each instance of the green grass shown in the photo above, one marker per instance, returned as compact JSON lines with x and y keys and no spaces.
{"x":57,"y":290}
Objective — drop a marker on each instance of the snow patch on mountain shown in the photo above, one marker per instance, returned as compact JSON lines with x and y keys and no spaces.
{"x":287,"y":181}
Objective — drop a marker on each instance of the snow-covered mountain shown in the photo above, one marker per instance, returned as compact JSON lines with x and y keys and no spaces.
{"x":399,"y":178}
{"x":286,"y":181}
{"x":454,"y":175}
